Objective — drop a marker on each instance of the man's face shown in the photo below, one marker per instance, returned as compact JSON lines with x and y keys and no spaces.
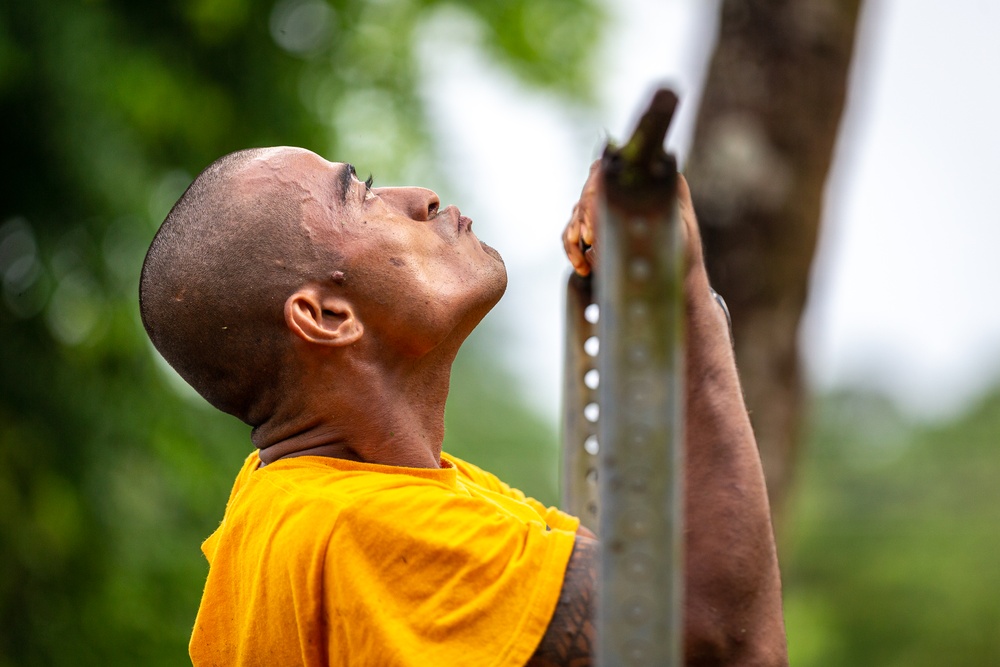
{"x":416,"y":272}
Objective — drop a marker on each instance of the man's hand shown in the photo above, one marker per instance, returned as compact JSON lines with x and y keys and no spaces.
{"x":580,"y":237}
{"x":581,"y":231}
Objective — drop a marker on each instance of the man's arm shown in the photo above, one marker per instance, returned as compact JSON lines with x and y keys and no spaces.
{"x":732,"y":611}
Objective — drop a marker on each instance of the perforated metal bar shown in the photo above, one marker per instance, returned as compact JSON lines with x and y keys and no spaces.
{"x":639,"y":430}
{"x":580,"y":381}
{"x":640,"y":433}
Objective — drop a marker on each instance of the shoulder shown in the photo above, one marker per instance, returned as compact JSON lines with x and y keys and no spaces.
{"x":466,"y":469}
{"x":480,"y":477}
{"x":318,"y":493}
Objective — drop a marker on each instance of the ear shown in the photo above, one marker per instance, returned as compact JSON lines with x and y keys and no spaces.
{"x":322,"y":319}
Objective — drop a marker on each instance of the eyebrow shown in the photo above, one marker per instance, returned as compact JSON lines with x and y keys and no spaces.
{"x":344,"y":184}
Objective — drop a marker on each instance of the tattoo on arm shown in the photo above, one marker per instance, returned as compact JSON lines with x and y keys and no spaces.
{"x":569,"y":639}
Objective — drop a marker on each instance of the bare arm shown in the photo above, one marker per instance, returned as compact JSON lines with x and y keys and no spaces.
{"x":732,"y":586}
{"x":732,"y":612}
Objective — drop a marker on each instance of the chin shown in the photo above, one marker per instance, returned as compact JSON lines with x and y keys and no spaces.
{"x":501,"y":280}
{"x":492,"y":252}
{"x":493,"y":290}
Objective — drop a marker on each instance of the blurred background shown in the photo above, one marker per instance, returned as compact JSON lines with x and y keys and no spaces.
{"x":843,"y":160}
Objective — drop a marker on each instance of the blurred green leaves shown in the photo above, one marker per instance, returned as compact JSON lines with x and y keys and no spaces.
{"x":896,"y":526}
{"x":111,"y":471}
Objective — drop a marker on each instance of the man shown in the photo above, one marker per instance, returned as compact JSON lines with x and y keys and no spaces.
{"x":326,"y":314}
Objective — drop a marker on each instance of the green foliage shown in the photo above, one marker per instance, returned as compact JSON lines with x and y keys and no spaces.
{"x":111,"y":473}
{"x":895,"y":535}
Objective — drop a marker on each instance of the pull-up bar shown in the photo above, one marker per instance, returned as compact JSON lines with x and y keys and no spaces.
{"x":623,"y":437}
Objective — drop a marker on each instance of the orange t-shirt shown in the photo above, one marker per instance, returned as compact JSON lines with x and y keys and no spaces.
{"x":322,"y":561}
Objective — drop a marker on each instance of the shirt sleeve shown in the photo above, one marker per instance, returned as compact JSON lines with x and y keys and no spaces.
{"x":420,"y":576}
{"x":553,"y":516}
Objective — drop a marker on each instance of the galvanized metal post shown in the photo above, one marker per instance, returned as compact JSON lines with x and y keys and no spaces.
{"x":640,"y":442}
{"x":580,"y":381}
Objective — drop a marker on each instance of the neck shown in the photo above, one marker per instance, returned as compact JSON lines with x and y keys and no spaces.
{"x":363,"y":412}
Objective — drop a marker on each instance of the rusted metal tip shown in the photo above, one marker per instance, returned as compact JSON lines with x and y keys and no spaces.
{"x":642,"y":168}
{"x":664,"y":102}
{"x":647,"y":140}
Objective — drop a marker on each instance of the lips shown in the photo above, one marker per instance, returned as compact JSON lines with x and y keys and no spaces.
{"x":451,"y":215}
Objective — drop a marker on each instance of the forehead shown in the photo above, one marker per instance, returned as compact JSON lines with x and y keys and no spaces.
{"x":299,"y":164}
{"x":318,"y":179}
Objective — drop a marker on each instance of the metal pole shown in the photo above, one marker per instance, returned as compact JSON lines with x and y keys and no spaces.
{"x":640,"y":439}
{"x":580,"y":379}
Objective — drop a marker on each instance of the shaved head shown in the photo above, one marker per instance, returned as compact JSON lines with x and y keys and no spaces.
{"x":216,"y":277}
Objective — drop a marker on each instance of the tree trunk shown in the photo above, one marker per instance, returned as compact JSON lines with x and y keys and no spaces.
{"x":763,"y":146}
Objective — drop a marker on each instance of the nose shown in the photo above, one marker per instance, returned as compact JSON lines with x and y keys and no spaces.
{"x":417,"y":203}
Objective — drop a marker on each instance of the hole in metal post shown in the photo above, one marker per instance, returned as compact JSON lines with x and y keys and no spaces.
{"x":638,"y":354}
{"x":591,"y":346}
{"x":638,"y":653}
{"x":637,"y":610}
{"x":592,"y":446}
{"x":592,"y":313}
{"x":639,"y":523}
{"x":638,"y":438}
{"x":591,"y":411}
{"x":638,"y":311}
{"x":640,"y":269}
{"x":592,"y":378}
{"x":639,"y":566}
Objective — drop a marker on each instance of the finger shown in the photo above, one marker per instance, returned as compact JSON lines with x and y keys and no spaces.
{"x":587,"y":226}
{"x":580,"y":231}
{"x":588,"y":204}
{"x":571,"y":244}
{"x":572,"y":232}
{"x":578,"y":260}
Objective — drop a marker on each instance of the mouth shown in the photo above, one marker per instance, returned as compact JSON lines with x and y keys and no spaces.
{"x":454,"y":216}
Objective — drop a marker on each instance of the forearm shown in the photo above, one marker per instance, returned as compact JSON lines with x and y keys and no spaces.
{"x":733,"y":590}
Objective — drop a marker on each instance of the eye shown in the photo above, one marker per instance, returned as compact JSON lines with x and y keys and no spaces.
{"x":368,"y":188}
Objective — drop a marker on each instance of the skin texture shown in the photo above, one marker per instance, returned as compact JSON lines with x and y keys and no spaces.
{"x":732,"y":612}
